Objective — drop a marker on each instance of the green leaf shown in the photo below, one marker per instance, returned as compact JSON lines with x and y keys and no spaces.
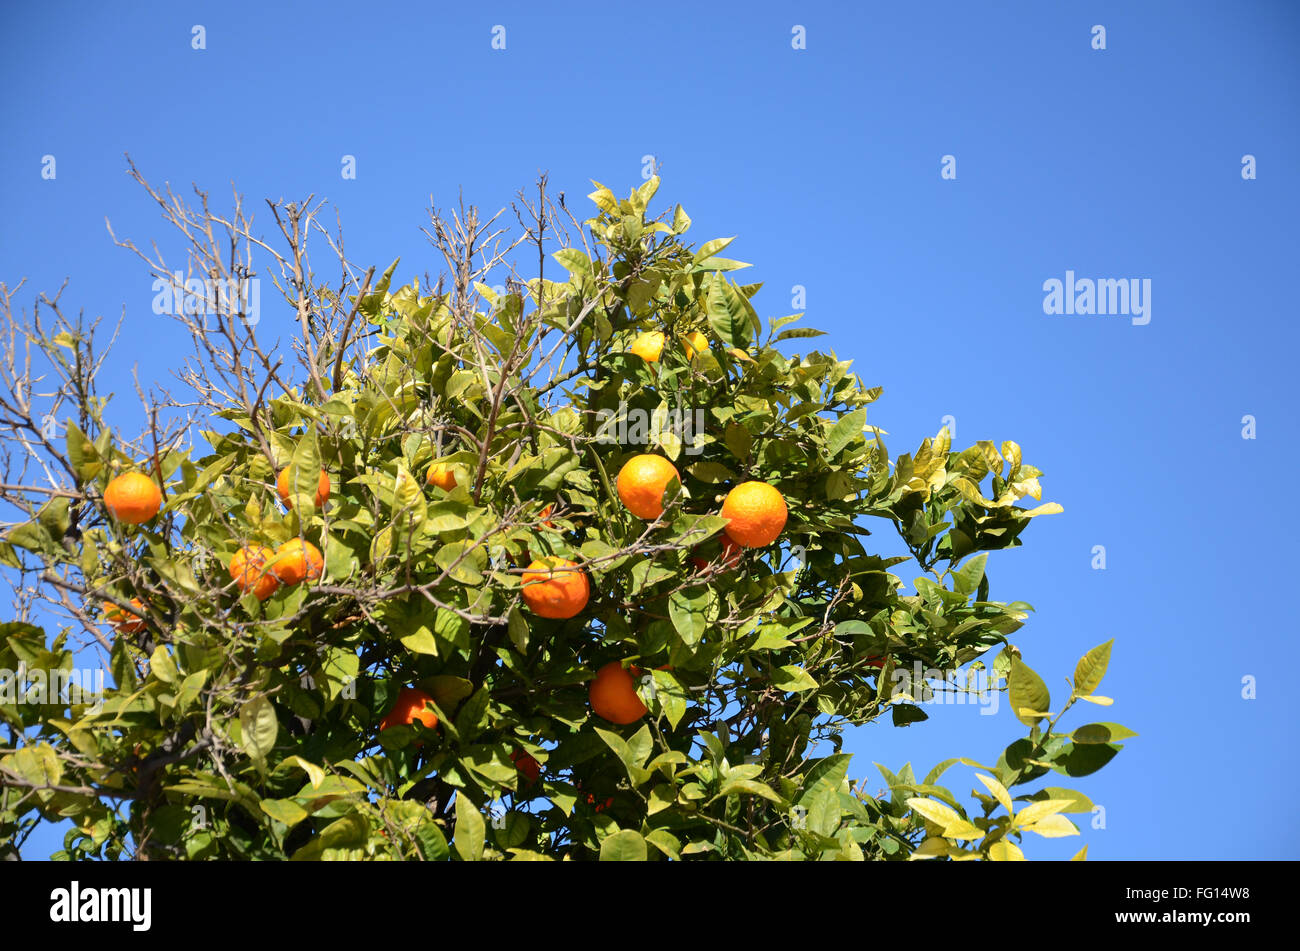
{"x":727,"y":314}
{"x":1029,"y":697}
{"x":793,"y":679}
{"x":1101,"y":733}
{"x":162,"y":665}
{"x":999,"y":792}
{"x":421,"y":642}
{"x":905,"y":714}
{"x":284,"y":810}
{"x":573,"y":261}
{"x":305,"y":476}
{"x":1004,"y":851}
{"x":1078,"y":801}
{"x":1037,"y":810}
{"x":749,"y":787}
{"x":687,"y":610}
{"x":470,"y":829}
{"x":967,"y":578}
{"x":1091,"y":668}
{"x":1084,"y":759}
{"x":517,"y":626}
{"x":946,"y":818}
{"x":846,"y":429}
{"x":626,"y":845}
{"x":709,"y":248}
{"x":258,"y":727}
{"x":798,"y":332}
{"x":671,"y":695}
{"x":1053,"y":827}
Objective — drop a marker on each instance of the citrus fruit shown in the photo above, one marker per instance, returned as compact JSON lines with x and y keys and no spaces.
{"x":555,"y":588}
{"x":757,"y":513}
{"x":297,"y":561}
{"x":641,"y":484}
{"x":730,"y":556}
{"x":528,"y":767}
{"x":249,"y":568}
{"x":613,"y":694}
{"x":545,"y":516}
{"x":133,"y":498}
{"x":123,"y":620}
{"x":648,"y":346}
{"x":283,"y":485}
{"x":442,"y":475}
{"x":411,"y":706}
{"x":695,"y":343}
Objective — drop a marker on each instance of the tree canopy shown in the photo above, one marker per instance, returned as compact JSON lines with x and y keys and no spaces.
{"x":469,"y":428}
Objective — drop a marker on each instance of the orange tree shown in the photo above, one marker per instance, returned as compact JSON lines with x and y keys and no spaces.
{"x":367,"y":618}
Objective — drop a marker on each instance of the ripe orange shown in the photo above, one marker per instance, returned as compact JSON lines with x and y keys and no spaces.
{"x":613,"y":694}
{"x":648,"y":346}
{"x":250,"y":570}
{"x":297,"y":561}
{"x":528,"y":767}
{"x":130,"y":622}
{"x":133,"y":498}
{"x":555,"y":588}
{"x":641,"y":484}
{"x":283,"y":485}
{"x":694,"y":343}
{"x":442,"y":475}
{"x":730,"y":556}
{"x":757,"y":512}
{"x":600,"y":807}
{"x":412,"y":705}
{"x":546,"y":522}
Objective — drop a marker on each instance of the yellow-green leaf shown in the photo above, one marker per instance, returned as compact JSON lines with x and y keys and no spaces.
{"x":996,"y":788}
{"x":1004,"y":851}
{"x":1091,"y":668}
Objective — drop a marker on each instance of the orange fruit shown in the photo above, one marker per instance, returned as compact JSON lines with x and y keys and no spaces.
{"x":411,"y":706}
{"x":528,"y":767}
{"x":297,"y":561}
{"x":695,"y":343}
{"x":133,"y":498}
{"x":128,"y":621}
{"x":730,"y":556}
{"x":283,"y":485}
{"x":641,"y":484}
{"x":546,"y":522}
{"x":555,"y":588}
{"x":249,"y":569}
{"x":757,"y":512}
{"x":442,"y":475}
{"x":613,"y":694}
{"x":648,"y":346}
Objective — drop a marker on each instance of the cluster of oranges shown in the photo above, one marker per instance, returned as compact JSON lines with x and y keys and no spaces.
{"x":261,"y":571}
{"x":553,"y":587}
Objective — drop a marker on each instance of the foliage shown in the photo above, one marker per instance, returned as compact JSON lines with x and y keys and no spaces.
{"x":233,"y":728}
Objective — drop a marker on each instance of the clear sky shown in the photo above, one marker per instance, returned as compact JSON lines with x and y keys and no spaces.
{"x":1115,"y":163}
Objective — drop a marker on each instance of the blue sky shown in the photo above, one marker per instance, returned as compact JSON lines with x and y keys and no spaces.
{"x":1116,"y":163}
